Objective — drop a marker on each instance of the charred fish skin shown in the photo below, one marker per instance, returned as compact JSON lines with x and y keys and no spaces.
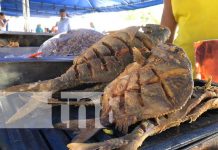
{"x":106,"y":59}
{"x":168,"y":70}
{"x":202,"y":99}
{"x":157,"y":33}
{"x":102,"y":62}
{"x":148,"y":90}
{"x":151,"y":89}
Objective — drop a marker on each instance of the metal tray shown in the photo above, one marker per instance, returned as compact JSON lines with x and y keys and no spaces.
{"x":15,"y":71}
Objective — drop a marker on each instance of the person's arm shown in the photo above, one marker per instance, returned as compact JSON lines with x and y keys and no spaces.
{"x":168,"y":19}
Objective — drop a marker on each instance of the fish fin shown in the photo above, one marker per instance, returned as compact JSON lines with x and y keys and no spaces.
{"x":131,"y":31}
{"x":138,"y":57}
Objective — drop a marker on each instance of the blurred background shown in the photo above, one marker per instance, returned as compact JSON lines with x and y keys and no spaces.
{"x":102,"y":21}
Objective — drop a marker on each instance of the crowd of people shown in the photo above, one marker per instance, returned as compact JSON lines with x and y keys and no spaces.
{"x":61,"y":26}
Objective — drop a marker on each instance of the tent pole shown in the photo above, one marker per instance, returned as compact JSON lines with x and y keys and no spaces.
{"x":26,"y":15}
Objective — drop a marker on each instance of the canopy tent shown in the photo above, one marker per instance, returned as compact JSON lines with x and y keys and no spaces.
{"x":74,"y":7}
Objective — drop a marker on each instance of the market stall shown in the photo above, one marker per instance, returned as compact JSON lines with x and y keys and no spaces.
{"x":147,"y":85}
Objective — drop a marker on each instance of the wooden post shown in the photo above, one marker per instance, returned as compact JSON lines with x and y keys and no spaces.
{"x":0,"y":5}
{"x":26,"y":14}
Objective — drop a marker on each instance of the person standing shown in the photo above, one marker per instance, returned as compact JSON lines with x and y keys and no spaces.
{"x":196,"y":20}
{"x":64,"y":23}
{"x":39,"y":29}
{"x":3,"y":22}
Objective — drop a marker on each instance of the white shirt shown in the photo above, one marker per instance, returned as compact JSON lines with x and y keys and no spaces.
{"x":64,"y":25}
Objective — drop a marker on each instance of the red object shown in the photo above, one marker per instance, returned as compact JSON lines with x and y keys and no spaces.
{"x":35,"y":55}
{"x":206,"y":53}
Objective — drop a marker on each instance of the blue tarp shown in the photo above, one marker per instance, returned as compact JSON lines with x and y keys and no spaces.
{"x":74,"y":7}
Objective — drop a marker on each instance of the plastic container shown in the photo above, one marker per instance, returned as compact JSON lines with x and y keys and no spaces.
{"x":206,"y":53}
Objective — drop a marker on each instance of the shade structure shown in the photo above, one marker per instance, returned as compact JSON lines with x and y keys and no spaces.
{"x":74,"y":7}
